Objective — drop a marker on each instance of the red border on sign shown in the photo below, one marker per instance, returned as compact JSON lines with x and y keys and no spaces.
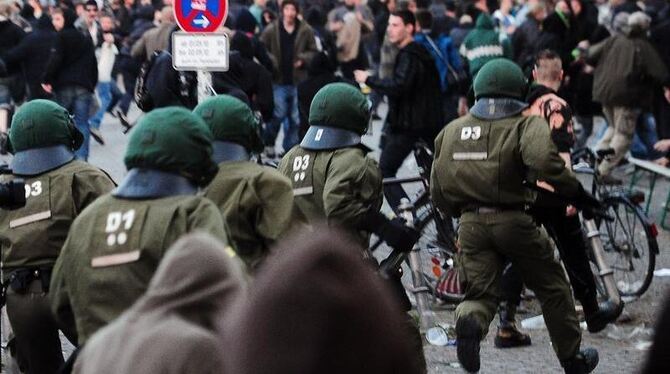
{"x":184,"y":21}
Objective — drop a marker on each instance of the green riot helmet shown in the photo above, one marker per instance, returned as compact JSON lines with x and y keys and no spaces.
{"x":42,"y":137}
{"x":338,"y":116}
{"x":500,"y":78}
{"x":174,"y":140}
{"x":231,"y":120}
{"x":500,"y":88}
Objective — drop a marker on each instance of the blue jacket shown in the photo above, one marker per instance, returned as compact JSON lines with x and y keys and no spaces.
{"x":443,"y":52}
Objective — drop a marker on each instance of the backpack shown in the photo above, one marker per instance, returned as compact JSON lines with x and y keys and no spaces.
{"x":452,"y":78}
{"x":141,"y":94}
{"x":160,"y":85}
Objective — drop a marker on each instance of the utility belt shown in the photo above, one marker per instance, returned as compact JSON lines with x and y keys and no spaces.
{"x":19,"y":280}
{"x":490,"y":209}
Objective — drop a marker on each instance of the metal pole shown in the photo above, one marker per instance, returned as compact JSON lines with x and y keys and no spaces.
{"x":204,"y":85}
{"x":419,"y":289}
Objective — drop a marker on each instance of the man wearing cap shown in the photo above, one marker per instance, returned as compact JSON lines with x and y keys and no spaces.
{"x":481,"y":163}
{"x":256,"y":201}
{"x":43,"y":139}
{"x":115,"y":245}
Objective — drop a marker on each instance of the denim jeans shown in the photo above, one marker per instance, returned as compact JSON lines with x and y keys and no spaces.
{"x":127,"y":98}
{"x":286,"y":108}
{"x":78,"y":102}
{"x":108,"y":92}
{"x":645,"y":137}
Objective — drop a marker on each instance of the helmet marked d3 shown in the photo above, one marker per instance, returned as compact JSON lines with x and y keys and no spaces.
{"x":500,"y":78}
{"x":342,"y":106}
{"x":40,"y":124}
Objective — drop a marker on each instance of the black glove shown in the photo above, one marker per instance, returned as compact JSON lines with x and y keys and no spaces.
{"x":398,"y":235}
{"x":588,"y":204}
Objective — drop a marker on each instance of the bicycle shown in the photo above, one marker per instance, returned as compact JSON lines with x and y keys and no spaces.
{"x":437,"y":244}
{"x":629,"y":239}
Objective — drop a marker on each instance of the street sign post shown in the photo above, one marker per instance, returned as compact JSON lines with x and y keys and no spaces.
{"x":199,"y":48}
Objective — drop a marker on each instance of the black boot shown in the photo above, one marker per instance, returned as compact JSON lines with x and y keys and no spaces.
{"x":468,"y":337}
{"x":508,"y":335}
{"x":582,"y":363}
{"x":597,"y":316}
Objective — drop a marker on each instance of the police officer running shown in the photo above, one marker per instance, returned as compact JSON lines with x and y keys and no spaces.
{"x":481,"y":163}
{"x":116,"y":244}
{"x":334,"y":180}
{"x":332,"y":177}
{"x":43,"y":139}
{"x":256,"y":201}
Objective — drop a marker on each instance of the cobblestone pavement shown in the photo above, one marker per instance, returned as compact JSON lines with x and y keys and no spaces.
{"x":616,"y":355}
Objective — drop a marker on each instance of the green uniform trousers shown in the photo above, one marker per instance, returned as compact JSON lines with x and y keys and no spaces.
{"x":487,"y":240}
{"x":35,"y":330}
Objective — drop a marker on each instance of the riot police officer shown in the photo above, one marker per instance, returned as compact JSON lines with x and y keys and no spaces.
{"x":481,"y":163}
{"x":332,"y":177}
{"x":334,"y":180}
{"x":43,"y":139}
{"x":256,"y":201}
{"x":115,"y":245}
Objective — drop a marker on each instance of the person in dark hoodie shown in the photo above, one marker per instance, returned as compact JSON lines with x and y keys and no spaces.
{"x":246,"y":24}
{"x":320,"y":72}
{"x":414,"y":92}
{"x":31,"y":56}
{"x":171,"y":328}
{"x":247,"y":75}
{"x":72,"y":72}
{"x":330,"y":313}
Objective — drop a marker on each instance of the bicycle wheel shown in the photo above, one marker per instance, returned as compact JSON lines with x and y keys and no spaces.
{"x":630,"y":245}
{"x":437,"y":245}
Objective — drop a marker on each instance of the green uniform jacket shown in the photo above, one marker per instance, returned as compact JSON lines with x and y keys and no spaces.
{"x":484,"y":163}
{"x":256,"y":203}
{"x":112,"y":251}
{"x":340,"y":186}
{"x":32,"y":236}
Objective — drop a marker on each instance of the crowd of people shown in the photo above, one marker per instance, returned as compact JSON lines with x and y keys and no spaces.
{"x":116,"y":267}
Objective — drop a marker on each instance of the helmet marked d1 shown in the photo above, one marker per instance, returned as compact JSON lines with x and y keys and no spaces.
{"x":231,"y":119}
{"x":40,"y":124}
{"x":500,"y":78}
{"x":173,"y":139}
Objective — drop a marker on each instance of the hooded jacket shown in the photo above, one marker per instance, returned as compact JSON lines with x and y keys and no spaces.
{"x":171,"y":328}
{"x":72,"y":62}
{"x":248,"y":75}
{"x":414,"y":92}
{"x":483,"y":44}
{"x":317,"y":307}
